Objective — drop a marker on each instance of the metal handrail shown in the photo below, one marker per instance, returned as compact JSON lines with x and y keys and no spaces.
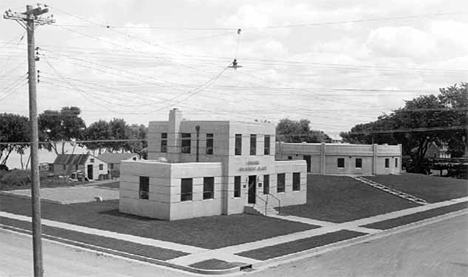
{"x":277,"y":199}
{"x":264,"y":201}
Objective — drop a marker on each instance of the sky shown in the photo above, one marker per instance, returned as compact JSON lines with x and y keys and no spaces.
{"x":336,"y":63}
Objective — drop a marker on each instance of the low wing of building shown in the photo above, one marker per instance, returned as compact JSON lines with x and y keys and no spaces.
{"x":113,"y":160}
{"x":344,"y":159}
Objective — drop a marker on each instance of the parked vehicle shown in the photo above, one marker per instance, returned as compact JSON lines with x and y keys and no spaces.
{"x":77,"y":176}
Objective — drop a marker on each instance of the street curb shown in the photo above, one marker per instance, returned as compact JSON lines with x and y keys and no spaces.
{"x":350,"y":242}
{"x":141,"y":259}
{"x":260,"y":265}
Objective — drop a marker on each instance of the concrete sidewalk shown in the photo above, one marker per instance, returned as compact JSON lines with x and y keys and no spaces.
{"x":109,"y":234}
{"x":327,"y":227}
{"x":228,"y":254}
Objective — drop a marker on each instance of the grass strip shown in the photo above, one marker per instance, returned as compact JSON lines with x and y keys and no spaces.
{"x":207,"y":232}
{"x":215,"y":264}
{"x":430,"y":188}
{"x":282,"y":249}
{"x":399,"y":221}
{"x":100,"y":242}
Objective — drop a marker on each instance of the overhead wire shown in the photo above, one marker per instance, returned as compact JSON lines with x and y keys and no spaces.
{"x":273,"y":27}
{"x":282,"y":107}
{"x":263,"y":62}
{"x":14,"y":87}
{"x":158,"y":46}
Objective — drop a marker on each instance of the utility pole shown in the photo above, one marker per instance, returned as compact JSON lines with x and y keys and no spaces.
{"x":29,"y":20}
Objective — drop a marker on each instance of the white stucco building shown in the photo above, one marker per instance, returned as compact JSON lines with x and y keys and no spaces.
{"x":205,"y":168}
{"x":344,"y":159}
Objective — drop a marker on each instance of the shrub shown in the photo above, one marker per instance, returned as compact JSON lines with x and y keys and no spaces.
{"x":16,"y":178}
{"x":3,"y":173}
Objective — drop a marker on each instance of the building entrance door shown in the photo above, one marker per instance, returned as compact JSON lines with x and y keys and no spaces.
{"x":307,"y":159}
{"x":252,"y":189}
{"x":90,"y":172}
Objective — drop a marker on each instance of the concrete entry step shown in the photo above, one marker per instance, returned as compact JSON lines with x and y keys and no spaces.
{"x":395,"y":192}
{"x":260,"y":210}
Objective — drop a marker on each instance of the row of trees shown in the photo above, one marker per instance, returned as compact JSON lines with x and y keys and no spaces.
{"x":289,"y":130}
{"x":440,"y":119}
{"x":57,"y":128}
{"x":427,"y":119}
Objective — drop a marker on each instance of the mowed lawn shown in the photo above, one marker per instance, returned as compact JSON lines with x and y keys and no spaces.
{"x":207,"y":232}
{"x":430,"y":188}
{"x":341,"y":199}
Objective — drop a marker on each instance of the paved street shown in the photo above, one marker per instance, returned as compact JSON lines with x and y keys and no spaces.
{"x":438,"y":249}
{"x":59,"y":260}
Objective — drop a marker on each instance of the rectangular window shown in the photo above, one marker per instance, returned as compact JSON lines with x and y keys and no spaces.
{"x":51,"y":168}
{"x":238,"y":145}
{"x":358,"y":163}
{"x":144,"y":187}
{"x":341,"y":162}
{"x":237,"y":186}
{"x":396,"y":162}
{"x":296,"y":181}
{"x":91,"y":160}
{"x":281,"y":182}
{"x":209,"y":144}
{"x":163,"y":142}
{"x":387,"y":163}
{"x":101,"y":167}
{"x":266,"y":145}
{"x":253,"y":144}
{"x":111,"y":166}
{"x":208,"y":188}
{"x":76,"y":167}
{"x":266,"y":184}
{"x":186,"y":189}
{"x":186,"y":142}
{"x":64,"y":167}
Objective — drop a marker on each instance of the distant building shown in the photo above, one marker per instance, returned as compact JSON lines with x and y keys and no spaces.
{"x":437,"y":152}
{"x":113,"y":161}
{"x":92,"y":167}
{"x":205,"y":168}
{"x":343,"y":159}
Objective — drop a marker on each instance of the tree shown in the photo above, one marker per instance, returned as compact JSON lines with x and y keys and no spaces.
{"x":456,"y":98}
{"x":59,"y":127}
{"x":137,"y":132}
{"x":14,"y":135}
{"x":99,"y":130}
{"x":422,"y":121}
{"x":289,"y":130}
{"x":118,"y":131}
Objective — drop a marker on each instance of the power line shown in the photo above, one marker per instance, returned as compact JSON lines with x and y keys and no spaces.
{"x":252,"y":62}
{"x":365,"y":20}
{"x":422,"y":129}
{"x":311,"y":24}
{"x":425,"y":129}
